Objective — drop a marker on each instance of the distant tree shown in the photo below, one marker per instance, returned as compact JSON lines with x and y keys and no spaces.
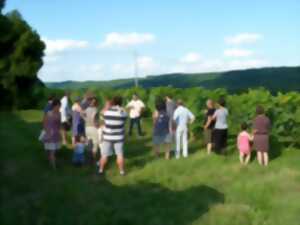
{"x":2,"y":4}
{"x":21,"y":52}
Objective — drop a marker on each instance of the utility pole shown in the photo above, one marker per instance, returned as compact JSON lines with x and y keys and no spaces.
{"x":136,"y":69}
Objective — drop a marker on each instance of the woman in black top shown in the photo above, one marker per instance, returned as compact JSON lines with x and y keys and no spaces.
{"x":209,"y":125}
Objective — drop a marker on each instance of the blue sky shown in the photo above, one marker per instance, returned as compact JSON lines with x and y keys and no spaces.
{"x":101,"y":40}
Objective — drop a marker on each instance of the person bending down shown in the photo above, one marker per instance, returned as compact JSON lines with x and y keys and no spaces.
{"x":113,"y":135}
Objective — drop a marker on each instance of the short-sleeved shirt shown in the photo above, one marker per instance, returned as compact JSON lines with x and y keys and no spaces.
{"x":91,"y":116}
{"x":64,"y":109}
{"x":210,"y":113}
{"x":221,"y":118}
{"x":136,"y":107}
{"x":114,"y":124}
{"x":182,"y":116}
{"x":262,"y":124}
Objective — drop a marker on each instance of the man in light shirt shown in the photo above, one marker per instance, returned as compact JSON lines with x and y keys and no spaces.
{"x":182,"y":117}
{"x":65,"y":113}
{"x":135,"y":107}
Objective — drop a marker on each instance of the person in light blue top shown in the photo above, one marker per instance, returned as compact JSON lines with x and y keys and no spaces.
{"x":78,"y":155}
{"x":182,"y":117}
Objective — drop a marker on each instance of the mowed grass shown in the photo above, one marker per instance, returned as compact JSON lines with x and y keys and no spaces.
{"x":199,"y":190}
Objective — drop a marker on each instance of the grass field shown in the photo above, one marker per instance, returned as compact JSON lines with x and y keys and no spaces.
{"x":199,"y":190}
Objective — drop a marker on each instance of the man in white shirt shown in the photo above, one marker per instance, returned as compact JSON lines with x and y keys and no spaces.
{"x":135,"y":107}
{"x":64,"y":112}
{"x":182,"y":117}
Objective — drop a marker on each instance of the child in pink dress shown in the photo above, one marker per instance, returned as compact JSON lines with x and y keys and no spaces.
{"x":244,"y":145}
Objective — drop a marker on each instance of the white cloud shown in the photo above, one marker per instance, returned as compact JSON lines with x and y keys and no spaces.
{"x":243,"y":38}
{"x":67,"y":71}
{"x":191,"y":57}
{"x":219,"y":64}
{"x":236,"y":52}
{"x":60,"y":45}
{"x":127,"y":39}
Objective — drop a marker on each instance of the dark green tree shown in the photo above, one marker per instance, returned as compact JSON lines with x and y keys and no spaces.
{"x":2,"y":4}
{"x":21,"y":52}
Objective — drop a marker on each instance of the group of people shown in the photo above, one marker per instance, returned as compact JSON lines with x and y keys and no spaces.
{"x":102,"y":131}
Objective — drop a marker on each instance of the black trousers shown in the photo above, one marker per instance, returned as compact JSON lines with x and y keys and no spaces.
{"x":135,"y":122}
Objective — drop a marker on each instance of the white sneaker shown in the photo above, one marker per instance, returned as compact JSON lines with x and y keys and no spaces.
{"x":122,"y":173}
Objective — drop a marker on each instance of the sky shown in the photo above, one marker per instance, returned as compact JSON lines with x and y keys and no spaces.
{"x":105,"y":40}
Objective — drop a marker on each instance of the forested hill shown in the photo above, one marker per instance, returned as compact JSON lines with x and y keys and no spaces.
{"x":274,"y":79}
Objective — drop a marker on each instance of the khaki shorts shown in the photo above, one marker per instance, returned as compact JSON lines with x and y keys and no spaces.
{"x":208,"y":136}
{"x":92,"y":137}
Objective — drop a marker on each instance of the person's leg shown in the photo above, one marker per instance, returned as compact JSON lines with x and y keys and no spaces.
{"x":120,"y":157}
{"x":242,"y":158}
{"x":138,"y":122}
{"x":185,"y":142}
{"x":131,"y":122}
{"x":64,"y":135}
{"x":156,"y":149}
{"x":51,"y":158}
{"x":259,"y":158}
{"x":95,"y":144}
{"x":106,"y":152}
{"x":178,"y":137}
{"x":209,"y":147}
{"x":247,"y":160}
{"x":266,"y":158}
{"x":103,"y":161}
{"x":167,"y":148}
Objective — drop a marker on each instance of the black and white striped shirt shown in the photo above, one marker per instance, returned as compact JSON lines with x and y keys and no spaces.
{"x":114,"y":121}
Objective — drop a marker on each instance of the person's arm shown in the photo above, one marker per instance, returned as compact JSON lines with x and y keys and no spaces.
{"x":208,"y":122}
{"x":129,"y":105}
{"x":191,"y":117}
{"x":214,"y":117}
{"x":142,"y":107}
{"x":154,"y":116}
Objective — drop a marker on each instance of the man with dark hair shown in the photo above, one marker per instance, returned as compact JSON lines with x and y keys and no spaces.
{"x":113,"y":134}
{"x":135,"y":107}
{"x":171,"y":107}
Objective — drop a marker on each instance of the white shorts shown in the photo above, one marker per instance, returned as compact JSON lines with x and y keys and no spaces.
{"x":108,"y":148}
{"x":52,"y":146}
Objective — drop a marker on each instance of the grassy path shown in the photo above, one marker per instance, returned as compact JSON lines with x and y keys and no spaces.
{"x":199,"y":190}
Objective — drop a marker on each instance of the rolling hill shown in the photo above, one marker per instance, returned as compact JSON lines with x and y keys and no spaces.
{"x":275,"y":79}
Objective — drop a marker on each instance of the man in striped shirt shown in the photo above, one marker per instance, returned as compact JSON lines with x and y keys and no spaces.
{"x":113,"y":134}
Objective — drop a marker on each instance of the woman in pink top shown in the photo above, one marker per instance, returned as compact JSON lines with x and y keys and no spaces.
{"x":243,"y":144}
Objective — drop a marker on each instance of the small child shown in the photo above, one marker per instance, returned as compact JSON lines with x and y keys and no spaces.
{"x":78,"y":155}
{"x":244,"y":144}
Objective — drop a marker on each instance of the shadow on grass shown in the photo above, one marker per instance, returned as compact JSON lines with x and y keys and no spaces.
{"x":150,"y":203}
